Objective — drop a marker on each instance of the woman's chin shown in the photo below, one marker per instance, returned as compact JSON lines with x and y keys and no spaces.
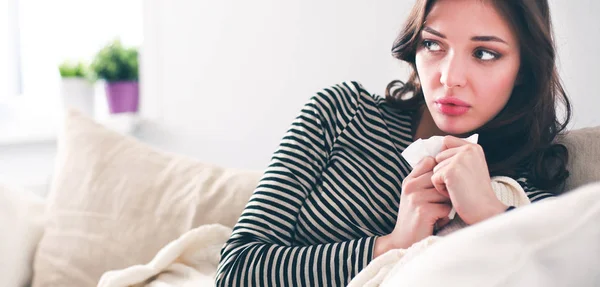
{"x":455,"y":127}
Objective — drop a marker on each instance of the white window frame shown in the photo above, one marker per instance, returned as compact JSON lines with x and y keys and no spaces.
{"x":10,"y":76}
{"x":20,"y":118}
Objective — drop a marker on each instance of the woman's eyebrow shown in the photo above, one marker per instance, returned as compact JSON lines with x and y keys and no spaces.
{"x":474,"y":38}
{"x":487,"y":39}
{"x":434,"y":32}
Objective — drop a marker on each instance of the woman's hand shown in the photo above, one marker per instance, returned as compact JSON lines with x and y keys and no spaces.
{"x":462,"y":173}
{"x":421,"y":207}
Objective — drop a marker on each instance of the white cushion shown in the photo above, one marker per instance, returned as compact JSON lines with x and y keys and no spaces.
{"x":21,"y":226}
{"x":551,"y":243}
{"x":114,"y":202}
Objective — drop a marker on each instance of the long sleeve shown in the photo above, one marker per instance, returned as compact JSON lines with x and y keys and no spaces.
{"x":533,"y":192}
{"x":262,"y":250}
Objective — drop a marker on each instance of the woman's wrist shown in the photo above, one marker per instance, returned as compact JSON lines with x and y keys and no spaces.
{"x":382,"y":245}
{"x":491,"y":210}
{"x":386,"y":243}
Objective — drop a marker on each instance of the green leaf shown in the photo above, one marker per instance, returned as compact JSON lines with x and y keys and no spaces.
{"x":71,"y":69}
{"x":114,"y":62}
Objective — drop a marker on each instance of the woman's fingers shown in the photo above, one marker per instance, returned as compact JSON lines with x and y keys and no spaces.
{"x":424,"y":180}
{"x":442,"y":222}
{"x":452,"y":142}
{"x":438,"y":179}
{"x":424,"y":166}
{"x":446,"y":154}
{"x":440,"y":212}
{"x":431,"y":195}
{"x":441,"y":165}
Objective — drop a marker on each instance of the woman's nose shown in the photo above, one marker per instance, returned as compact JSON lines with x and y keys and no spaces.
{"x":453,"y":72}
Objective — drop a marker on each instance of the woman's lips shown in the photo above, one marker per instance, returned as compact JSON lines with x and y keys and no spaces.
{"x":452,"y":106}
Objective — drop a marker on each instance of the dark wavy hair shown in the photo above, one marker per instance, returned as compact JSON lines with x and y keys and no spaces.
{"x":521,"y":138}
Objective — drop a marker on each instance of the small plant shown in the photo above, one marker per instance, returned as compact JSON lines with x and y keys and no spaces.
{"x":70,"y":69}
{"x":115,"y":63}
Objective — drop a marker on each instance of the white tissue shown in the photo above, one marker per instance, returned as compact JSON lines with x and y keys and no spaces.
{"x":420,"y":149}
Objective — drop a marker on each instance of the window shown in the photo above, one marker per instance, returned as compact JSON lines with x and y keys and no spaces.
{"x":37,"y":35}
{"x":53,"y":31}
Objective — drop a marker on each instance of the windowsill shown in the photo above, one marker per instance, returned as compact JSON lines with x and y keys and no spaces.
{"x":43,"y":131}
{"x":26,"y":120}
{"x":27,"y":137}
{"x":30,"y":120}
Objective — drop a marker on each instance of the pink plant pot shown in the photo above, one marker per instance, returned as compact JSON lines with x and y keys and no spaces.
{"x":123,"y":97}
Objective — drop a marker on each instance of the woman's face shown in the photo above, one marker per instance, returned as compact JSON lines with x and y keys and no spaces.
{"x":467,"y":62}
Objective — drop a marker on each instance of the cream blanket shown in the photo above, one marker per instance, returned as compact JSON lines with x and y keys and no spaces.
{"x":190,"y":260}
{"x":378,"y":271}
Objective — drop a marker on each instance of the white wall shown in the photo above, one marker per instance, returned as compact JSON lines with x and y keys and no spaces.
{"x":224,"y":79}
{"x":577,"y":29}
{"x":231,"y":75}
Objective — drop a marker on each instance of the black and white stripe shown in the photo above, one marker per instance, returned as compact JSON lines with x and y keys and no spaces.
{"x":331,"y":188}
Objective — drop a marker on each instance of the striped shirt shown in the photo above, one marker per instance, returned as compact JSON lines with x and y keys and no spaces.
{"x":331,"y":188}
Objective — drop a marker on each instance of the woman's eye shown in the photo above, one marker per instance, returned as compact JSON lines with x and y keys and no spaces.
{"x":431,"y":46}
{"x":486,"y":55}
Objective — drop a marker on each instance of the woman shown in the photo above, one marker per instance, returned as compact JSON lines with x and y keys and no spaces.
{"x":338,"y":193}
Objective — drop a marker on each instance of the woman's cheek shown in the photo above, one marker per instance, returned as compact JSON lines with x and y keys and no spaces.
{"x":502,"y":87}
{"x":427,"y":71}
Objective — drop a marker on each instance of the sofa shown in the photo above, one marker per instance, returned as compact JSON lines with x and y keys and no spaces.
{"x":115,"y":202}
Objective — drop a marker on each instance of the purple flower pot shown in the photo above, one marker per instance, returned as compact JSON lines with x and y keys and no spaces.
{"x":123,"y":97}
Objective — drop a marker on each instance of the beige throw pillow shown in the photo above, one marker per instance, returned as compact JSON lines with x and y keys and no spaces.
{"x":584,"y":156}
{"x":115,"y":202}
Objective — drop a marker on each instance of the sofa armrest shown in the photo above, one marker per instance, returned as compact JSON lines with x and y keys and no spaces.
{"x":21,"y":227}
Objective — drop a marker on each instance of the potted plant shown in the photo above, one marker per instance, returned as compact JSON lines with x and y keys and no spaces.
{"x":118,"y":66}
{"x":76,"y":86}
